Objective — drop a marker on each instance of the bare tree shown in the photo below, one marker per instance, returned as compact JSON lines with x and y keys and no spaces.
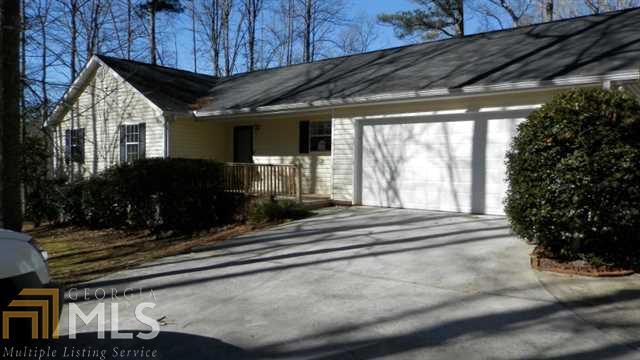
{"x":282,"y":33}
{"x":211,"y":22}
{"x":357,"y":37}
{"x":320,"y":19}
{"x":600,"y":6}
{"x":252,"y":10}
{"x":10,"y":25}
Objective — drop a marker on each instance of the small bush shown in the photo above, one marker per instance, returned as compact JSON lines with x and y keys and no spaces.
{"x":269,"y":210}
{"x":574,"y":176}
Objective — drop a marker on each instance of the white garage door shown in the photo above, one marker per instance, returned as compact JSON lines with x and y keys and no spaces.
{"x":447,"y":165}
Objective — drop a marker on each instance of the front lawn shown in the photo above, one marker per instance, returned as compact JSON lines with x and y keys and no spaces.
{"x":79,"y":254}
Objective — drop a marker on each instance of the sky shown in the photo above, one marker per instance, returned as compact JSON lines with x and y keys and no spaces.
{"x":371,"y":8}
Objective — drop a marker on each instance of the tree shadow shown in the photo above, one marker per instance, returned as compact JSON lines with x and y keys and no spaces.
{"x":511,"y":328}
{"x":166,"y":346}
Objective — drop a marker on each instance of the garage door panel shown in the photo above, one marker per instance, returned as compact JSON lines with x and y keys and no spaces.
{"x":432,"y":165}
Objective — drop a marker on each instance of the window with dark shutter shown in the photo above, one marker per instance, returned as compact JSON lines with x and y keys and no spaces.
{"x":132,"y":142}
{"x":320,"y":136}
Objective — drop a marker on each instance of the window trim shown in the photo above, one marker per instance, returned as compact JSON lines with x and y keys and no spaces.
{"x":78,"y":155}
{"x":127,"y":142}
{"x":329,"y":135}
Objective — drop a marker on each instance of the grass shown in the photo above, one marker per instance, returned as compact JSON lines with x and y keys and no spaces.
{"x":78,"y":254}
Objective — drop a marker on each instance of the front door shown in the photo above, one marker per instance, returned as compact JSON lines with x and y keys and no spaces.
{"x":243,"y":144}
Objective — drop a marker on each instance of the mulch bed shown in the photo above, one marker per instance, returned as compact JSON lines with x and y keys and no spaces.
{"x":542,"y":260}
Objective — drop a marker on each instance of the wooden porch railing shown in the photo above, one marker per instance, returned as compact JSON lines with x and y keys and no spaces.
{"x":264,"y":179}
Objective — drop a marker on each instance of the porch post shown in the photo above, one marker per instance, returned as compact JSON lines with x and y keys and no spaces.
{"x":299,"y":183}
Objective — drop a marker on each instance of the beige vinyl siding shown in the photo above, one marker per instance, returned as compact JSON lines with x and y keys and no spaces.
{"x":344,"y":127}
{"x":194,"y":139}
{"x":100,"y":112}
{"x":342,"y":167}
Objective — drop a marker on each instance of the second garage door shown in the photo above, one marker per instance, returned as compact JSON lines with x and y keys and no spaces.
{"x":439,"y":164}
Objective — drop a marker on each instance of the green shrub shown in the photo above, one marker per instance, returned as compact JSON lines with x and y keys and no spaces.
{"x":574,"y":176}
{"x":268,"y":210}
{"x":180,"y":195}
{"x":43,"y":200}
{"x":42,"y":194}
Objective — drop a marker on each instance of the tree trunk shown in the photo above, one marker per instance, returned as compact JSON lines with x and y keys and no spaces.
{"x":11,"y":192}
{"x":548,"y":10}
{"x":215,"y":37}
{"x":129,"y":28}
{"x":460,"y":19}
{"x":152,"y":33}
{"x":290,"y":28}
{"x":2,"y":114}
{"x":193,"y":32}
{"x":226,"y":36}
{"x":308,"y":18}
{"x":72,"y":62}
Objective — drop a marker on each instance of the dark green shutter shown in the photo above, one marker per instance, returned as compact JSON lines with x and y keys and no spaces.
{"x":81,"y":145}
{"x":304,"y":137}
{"x":143,"y":142}
{"x":123,"y":144}
{"x":67,"y":146}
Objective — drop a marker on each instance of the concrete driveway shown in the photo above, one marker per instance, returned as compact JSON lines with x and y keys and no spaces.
{"x":373,"y":283}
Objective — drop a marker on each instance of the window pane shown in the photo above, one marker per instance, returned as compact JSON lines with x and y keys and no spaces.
{"x":320,"y":143}
{"x":132,"y":133}
{"x":132,"y":152}
{"x":320,"y":128}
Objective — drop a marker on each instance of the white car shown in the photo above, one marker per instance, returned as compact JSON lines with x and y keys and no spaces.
{"x":22,"y":265}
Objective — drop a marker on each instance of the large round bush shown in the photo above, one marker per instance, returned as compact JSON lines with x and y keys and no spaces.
{"x":574,"y":175}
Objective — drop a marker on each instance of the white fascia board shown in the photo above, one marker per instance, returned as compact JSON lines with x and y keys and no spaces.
{"x":78,"y":84}
{"x":442,"y":93}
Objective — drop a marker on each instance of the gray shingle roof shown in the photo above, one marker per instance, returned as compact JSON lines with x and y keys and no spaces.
{"x":592,"y":45}
{"x":170,"y":89}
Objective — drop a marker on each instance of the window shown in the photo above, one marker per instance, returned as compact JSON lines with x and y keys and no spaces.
{"x":320,"y":136}
{"x":132,"y":142}
{"x":74,"y":149}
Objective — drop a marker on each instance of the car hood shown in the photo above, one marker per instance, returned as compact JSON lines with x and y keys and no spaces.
{"x":12,"y":235}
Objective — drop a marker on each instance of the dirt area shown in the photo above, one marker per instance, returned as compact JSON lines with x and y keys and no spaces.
{"x":543,"y":260}
{"x":79,"y":254}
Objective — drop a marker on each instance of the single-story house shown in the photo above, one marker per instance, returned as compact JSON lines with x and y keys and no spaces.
{"x":423,"y":126}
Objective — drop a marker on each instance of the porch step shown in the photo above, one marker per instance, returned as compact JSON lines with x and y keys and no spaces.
{"x":316,"y":203}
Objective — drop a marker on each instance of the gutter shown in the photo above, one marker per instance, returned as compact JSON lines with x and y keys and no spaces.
{"x":424,"y":95}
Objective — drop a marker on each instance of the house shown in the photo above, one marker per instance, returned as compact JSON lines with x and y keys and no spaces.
{"x":424,"y":126}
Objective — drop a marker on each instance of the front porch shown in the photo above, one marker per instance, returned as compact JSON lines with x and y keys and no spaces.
{"x":285,"y":157}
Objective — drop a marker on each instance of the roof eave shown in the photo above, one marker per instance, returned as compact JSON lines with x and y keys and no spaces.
{"x":425,"y":95}
{"x":73,"y":91}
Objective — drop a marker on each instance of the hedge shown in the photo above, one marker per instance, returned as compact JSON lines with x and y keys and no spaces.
{"x":182,"y":195}
{"x":574,"y":176}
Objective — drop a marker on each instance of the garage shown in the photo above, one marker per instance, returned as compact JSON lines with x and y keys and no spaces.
{"x":448,"y":162}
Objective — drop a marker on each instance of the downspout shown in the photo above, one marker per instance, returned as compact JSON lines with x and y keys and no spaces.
{"x":167,"y":134}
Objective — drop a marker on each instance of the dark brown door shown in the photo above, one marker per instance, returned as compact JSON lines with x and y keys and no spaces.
{"x":243,"y":144}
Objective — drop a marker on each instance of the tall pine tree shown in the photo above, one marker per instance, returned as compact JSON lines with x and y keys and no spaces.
{"x":152,"y":8}
{"x":433,"y":19}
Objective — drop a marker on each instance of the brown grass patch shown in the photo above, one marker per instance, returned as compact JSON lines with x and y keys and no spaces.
{"x":78,"y":254}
